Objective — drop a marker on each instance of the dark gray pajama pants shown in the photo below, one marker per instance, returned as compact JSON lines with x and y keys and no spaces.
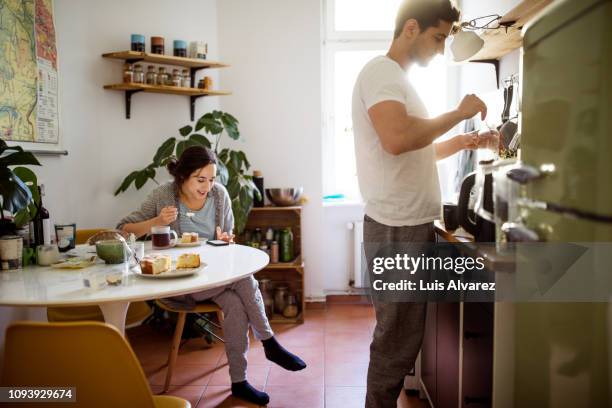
{"x":399,"y":325}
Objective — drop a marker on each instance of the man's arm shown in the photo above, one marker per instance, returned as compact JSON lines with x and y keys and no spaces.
{"x":467,"y":141}
{"x":400,"y":132}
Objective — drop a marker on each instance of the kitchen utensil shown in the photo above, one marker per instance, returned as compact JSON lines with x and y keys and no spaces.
{"x":284,"y":197}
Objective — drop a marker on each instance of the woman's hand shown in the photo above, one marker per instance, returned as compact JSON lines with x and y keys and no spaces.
{"x":224,"y":236}
{"x":167,"y":215}
{"x":469,"y":141}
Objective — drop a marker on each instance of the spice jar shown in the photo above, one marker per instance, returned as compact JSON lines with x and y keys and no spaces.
{"x":198,"y":49}
{"x":138,"y":74}
{"x":151,"y":77}
{"x":128,"y":74}
{"x":201,"y":84}
{"x":274,"y":252}
{"x":291,"y":310}
{"x":180,"y":48}
{"x":162,"y":76}
{"x":265,"y":287}
{"x":176,"y":78}
{"x":137,"y":43}
{"x":157,"y":45}
{"x":186,"y":79}
{"x":280,"y":298}
{"x":207,"y":83}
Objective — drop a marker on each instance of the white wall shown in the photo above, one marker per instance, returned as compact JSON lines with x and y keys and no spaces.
{"x":275,"y":51}
{"x":103,"y":146}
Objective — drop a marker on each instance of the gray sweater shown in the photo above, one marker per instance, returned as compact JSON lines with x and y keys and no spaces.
{"x":167,"y":195}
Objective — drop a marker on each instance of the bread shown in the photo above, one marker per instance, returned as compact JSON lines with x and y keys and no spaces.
{"x":189,"y":237}
{"x":188,"y":261}
{"x":155,"y":264}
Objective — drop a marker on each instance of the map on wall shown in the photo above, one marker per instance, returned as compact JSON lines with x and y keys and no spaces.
{"x":28,"y":72}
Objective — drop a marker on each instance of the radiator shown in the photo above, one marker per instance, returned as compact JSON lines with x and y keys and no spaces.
{"x":358,"y":275}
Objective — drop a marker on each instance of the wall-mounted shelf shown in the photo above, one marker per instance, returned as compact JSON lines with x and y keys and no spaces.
{"x":502,"y":41}
{"x":193,"y":64}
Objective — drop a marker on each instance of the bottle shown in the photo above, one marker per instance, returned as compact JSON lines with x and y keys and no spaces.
{"x":265,"y":286}
{"x":176,"y":78}
{"x":269,"y":235}
{"x":259,"y":183}
{"x":280,"y":298}
{"x":128,"y":74}
{"x":257,"y":235}
{"x":42,"y":223}
{"x":291,"y":309}
{"x":186,"y":81}
{"x":286,"y":245}
{"x":162,"y":76}
{"x":274,"y":252}
{"x":151,"y":78}
{"x":138,"y":74}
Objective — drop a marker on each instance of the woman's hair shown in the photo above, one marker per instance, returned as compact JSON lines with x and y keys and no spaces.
{"x":192,"y":159}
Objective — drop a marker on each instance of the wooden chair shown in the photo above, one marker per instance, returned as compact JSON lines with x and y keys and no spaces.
{"x":204,"y":307}
{"x":90,"y":356}
{"x":137,"y":311}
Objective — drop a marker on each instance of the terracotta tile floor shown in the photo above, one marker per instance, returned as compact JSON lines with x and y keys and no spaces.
{"x":334,"y":341}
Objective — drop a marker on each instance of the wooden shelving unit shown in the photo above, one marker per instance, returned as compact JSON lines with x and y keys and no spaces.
{"x":289,"y":273}
{"x":193,"y":64}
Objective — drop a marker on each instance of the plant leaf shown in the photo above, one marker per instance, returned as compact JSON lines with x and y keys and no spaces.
{"x":164,"y":151}
{"x":200,"y":139}
{"x":126,"y":182}
{"x":141,"y":179}
{"x":209,"y":123}
{"x":231,"y":126}
{"x":185,"y":130}
{"x":19,"y":158}
{"x":15,"y":194}
{"x":222,"y":173}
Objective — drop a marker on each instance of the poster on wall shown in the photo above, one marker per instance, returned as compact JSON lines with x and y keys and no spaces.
{"x":29,"y":99}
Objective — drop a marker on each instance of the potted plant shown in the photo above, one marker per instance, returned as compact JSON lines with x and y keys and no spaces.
{"x":18,"y":188}
{"x":231,"y":166}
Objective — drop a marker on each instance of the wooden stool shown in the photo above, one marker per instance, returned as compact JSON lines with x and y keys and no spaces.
{"x":204,"y":307}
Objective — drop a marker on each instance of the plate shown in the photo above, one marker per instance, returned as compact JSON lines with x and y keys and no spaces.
{"x":172,"y":273}
{"x":189,"y":244}
{"x":76,"y":263}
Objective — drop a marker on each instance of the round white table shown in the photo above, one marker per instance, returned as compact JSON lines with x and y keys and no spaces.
{"x":46,"y":286}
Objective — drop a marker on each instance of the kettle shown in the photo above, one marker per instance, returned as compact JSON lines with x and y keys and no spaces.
{"x":475,"y":208}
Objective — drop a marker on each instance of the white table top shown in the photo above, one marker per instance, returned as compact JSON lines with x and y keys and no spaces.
{"x":46,"y":286}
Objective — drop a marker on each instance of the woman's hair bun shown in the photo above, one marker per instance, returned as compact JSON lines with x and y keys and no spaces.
{"x":172,"y":166}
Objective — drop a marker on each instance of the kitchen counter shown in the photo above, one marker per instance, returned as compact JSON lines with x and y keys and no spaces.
{"x":493,"y":260}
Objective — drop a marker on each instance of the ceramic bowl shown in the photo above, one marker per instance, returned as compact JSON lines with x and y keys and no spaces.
{"x":111,"y":251}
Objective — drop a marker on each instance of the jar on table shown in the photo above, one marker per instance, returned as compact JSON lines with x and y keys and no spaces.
{"x":265,"y":287}
{"x":151,"y":77}
{"x":138,"y":74}
{"x":281,"y":293}
{"x":186,"y":81}
{"x":162,"y":76}
{"x":291,"y":309}
{"x":176,"y":78}
{"x":128,"y":74}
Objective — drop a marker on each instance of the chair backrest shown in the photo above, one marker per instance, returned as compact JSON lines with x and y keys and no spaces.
{"x":91,"y":356}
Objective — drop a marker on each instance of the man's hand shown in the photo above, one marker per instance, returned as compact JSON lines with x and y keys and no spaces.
{"x":488,"y":139}
{"x":468,"y":141}
{"x":470,"y":105}
{"x":167,"y":215}
{"x":224,"y":236}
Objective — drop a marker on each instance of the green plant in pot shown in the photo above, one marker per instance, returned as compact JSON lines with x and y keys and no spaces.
{"x":231,"y":166}
{"x":18,"y":188}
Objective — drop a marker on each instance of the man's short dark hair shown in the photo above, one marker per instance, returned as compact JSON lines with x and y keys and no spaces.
{"x":427,"y":13}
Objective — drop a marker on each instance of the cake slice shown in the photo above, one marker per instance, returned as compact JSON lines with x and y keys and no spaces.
{"x":155,"y":264}
{"x":189,"y":237}
{"x":188,"y":261}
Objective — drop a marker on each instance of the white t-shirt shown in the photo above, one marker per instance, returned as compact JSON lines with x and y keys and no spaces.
{"x":398,"y":190}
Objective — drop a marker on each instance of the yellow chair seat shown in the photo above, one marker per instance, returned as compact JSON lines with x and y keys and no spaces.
{"x":166,"y":401}
{"x":90,"y":356}
{"x":137,"y":312}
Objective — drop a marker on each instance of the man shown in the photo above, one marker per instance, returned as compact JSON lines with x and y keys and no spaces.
{"x":397,"y":174}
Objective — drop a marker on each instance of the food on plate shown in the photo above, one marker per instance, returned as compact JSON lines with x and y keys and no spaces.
{"x":189,"y":237}
{"x":76,"y":263}
{"x":188,"y":260}
{"x":155,"y":264}
{"x":107,"y":235}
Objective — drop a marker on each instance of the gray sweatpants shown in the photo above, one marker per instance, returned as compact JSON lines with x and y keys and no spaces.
{"x":242,"y":306}
{"x":399,"y":326}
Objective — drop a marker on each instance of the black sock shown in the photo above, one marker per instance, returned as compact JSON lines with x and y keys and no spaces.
{"x":245,"y":391}
{"x":277,"y":354}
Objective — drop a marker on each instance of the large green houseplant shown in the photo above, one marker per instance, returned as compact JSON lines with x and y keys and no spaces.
{"x":232,"y":164}
{"x":18,"y":188}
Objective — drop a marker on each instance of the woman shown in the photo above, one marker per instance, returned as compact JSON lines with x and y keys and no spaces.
{"x":194,"y":202}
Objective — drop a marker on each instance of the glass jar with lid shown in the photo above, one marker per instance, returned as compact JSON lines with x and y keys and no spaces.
{"x":162,"y":76}
{"x":138,"y":74}
{"x":176,"y":78}
{"x":186,"y":79}
{"x":291,"y":309}
{"x":280,"y":298}
{"x":151,"y":77}
{"x":265,"y":287}
{"x":128,"y":73}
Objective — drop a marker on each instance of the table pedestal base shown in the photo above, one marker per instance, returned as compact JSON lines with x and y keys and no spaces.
{"x":115,"y":313}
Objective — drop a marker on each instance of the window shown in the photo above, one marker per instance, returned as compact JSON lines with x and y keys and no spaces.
{"x":355,"y":32}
